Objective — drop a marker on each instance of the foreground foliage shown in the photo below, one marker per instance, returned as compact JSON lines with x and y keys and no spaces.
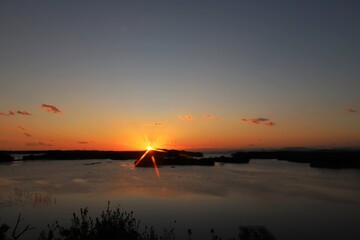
{"x":112,"y":224}
{"x":115,"y":225}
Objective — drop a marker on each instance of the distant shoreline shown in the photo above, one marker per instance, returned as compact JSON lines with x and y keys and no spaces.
{"x":328,"y":158}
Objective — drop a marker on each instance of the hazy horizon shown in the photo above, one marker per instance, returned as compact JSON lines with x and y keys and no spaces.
{"x":203,"y":150}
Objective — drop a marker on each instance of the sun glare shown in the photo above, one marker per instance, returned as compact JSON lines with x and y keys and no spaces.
{"x":149,"y":148}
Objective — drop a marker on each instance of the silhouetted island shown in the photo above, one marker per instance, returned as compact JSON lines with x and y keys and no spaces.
{"x":327,"y":158}
{"x":92,"y":154}
{"x":5,"y":157}
{"x":172,"y":158}
{"x":83,"y":154}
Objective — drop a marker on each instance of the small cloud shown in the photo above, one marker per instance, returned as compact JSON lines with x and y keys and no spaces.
{"x":186,"y":118}
{"x":351,"y":110}
{"x":212,"y":118}
{"x":9,"y":113}
{"x":27,"y":134}
{"x":22,"y":128}
{"x":32,"y":144}
{"x":155,"y":124}
{"x":44,"y":144}
{"x":270,"y":124}
{"x":84,"y":142}
{"x":25,"y":131}
{"x":255,"y":120}
{"x":263,"y":121}
{"x":24,"y":113}
{"x":12,"y":113}
{"x":50,"y":108}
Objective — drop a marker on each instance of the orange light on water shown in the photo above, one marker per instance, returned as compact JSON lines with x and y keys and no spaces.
{"x":155,"y":166}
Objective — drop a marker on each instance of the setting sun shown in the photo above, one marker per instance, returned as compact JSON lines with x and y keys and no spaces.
{"x":149,"y":148}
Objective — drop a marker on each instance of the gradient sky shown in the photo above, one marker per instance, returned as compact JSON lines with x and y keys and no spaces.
{"x":179,"y":74}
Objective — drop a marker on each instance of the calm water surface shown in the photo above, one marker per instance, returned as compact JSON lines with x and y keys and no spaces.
{"x":292,"y":200}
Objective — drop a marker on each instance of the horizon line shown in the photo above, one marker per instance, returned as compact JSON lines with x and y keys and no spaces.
{"x":195,"y":149}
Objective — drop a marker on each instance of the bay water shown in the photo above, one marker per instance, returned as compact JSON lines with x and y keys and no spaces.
{"x":292,"y":200}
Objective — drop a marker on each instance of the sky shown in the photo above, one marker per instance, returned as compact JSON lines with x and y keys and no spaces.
{"x":122,"y":75}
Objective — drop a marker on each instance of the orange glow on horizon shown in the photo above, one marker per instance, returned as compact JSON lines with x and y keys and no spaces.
{"x":149,"y":148}
{"x":54,"y":132}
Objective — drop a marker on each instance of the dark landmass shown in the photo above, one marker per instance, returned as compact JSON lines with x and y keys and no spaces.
{"x":316,"y":158}
{"x":82,"y":155}
{"x":328,"y":158}
{"x":174,"y":157}
{"x":93,"y":154}
{"x":4,"y":157}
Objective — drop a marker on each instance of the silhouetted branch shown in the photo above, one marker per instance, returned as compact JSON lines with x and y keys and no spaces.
{"x":27,"y":228}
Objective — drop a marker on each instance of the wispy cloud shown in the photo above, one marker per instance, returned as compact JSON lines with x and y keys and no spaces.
{"x":186,"y":118}
{"x":42,"y":144}
{"x":9,"y":113}
{"x":85,"y":142}
{"x":50,"y":108}
{"x":262,"y":121}
{"x":22,"y":128}
{"x":255,"y":120}
{"x":212,"y":118}
{"x":13,"y":113}
{"x":270,"y":124}
{"x":351,"y":110}
{"x":155,"y":124}
{"x":25,"y":131}
{"x":24,"y":113}
{"x":27,"y":134}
